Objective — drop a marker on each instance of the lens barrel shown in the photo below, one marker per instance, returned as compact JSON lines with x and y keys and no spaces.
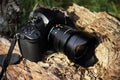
{"x":77,"y":45}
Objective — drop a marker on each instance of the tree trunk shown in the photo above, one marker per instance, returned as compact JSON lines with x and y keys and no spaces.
{"x":58,"y":67}
{"x":10,"y":15}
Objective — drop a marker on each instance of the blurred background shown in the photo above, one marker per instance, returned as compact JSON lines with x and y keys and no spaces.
{"x":111,"y":6}
{"x":13,"y":13}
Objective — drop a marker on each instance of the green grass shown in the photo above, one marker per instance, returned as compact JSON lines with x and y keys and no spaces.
{"x":111,"y":6}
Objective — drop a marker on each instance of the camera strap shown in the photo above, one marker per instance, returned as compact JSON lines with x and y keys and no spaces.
{"x":7,"y":59}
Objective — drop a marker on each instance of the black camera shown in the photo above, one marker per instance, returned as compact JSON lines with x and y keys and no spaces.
{"x":52,"y":30}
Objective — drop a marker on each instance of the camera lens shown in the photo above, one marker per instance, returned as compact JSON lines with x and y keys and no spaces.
{"x":78,"y":46}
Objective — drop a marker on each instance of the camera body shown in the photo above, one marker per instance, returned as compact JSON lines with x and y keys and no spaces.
{"x":52,"y":30}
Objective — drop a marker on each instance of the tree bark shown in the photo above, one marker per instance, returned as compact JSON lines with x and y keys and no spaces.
{"x":58,"y":67}
{"x":10,"y":15}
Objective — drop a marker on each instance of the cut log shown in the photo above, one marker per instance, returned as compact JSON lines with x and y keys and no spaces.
{"x":58,"y":67}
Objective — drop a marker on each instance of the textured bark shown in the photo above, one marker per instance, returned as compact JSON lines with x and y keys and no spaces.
{"x":58,"y":67}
